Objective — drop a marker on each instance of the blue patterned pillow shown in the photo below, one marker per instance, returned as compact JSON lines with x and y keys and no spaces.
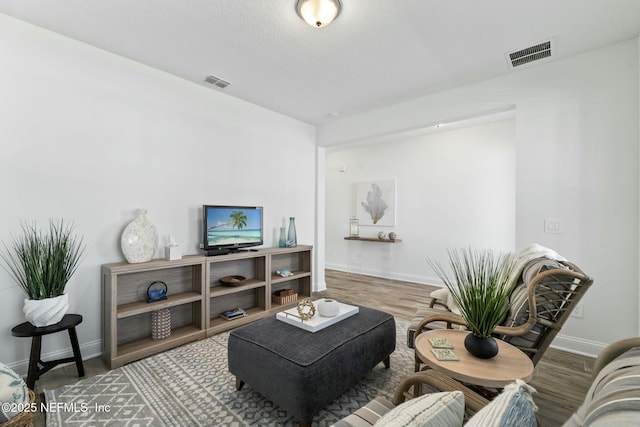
{"x":12,"y":390}
{"x":513,"y":407}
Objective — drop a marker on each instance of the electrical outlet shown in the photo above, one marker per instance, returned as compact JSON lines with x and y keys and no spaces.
{"x":553,"y":226}
{"x":578,"y":311}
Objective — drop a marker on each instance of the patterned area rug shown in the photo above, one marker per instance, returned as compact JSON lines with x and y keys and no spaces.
{"x":191,"y":386}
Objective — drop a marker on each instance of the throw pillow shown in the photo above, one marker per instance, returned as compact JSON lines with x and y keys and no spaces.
{"x":547,"y":307}
{"x":444,"y":296}
{"x":514,"y":406}
{"x":13,"y":390}
{"x":444,"y":409}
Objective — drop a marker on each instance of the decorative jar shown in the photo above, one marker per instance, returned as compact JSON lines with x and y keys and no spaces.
{"x":328,"y":308}
{"x":139,"y":239}
{"x":354,"y":227}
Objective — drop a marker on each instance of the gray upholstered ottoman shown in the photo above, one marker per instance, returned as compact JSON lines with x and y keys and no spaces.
{"x":302,"y":372}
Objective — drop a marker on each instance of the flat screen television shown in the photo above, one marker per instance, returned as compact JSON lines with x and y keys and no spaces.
{"x":231,"y":228}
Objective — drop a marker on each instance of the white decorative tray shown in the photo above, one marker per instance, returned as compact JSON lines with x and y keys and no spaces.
{"x":317,"y":322}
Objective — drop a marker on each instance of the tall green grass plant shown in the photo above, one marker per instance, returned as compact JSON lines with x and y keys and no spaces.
{"x":42,"y":263}
{"x":478,"y":281}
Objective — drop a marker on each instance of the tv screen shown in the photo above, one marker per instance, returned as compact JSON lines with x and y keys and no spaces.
{"x":229,"y":228}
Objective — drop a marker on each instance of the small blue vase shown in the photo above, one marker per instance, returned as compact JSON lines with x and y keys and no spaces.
{"x":283,"y":238}
{"x":292,"y":238}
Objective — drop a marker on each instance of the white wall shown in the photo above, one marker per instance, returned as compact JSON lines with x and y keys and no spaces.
{"x":576,"y":159}
{"x":90,"y":136}
{"x":454,"y":189}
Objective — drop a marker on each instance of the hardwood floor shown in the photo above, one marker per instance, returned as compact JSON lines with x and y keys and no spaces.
{"x":561,"y":378}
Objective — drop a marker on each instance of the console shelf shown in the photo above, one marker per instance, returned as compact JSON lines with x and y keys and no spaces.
{"x":135,"y":308}
{"x":195,"y":297}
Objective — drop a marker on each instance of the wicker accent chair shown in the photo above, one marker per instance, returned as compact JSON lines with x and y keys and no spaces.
{"x":613,"y":398}
{"x":540,"y":304}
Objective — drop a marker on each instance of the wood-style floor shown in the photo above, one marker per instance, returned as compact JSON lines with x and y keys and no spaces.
{"x":561,"y":378}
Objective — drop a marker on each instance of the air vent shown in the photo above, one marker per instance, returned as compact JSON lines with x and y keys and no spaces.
{"x":216,"y":81}
{"x":531,"y":54}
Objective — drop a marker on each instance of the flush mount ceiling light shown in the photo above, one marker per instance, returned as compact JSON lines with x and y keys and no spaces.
{"x":318,"y":13}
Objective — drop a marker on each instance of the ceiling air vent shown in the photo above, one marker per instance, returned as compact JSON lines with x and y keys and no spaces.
{"x":531,"y":54}
{"x":216,"y":81}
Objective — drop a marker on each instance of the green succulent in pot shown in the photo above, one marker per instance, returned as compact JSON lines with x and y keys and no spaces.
{"x":478,"y":282}
{"x":42,"y":263}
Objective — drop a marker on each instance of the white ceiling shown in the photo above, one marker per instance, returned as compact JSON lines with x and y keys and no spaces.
{"x":376,"y":53}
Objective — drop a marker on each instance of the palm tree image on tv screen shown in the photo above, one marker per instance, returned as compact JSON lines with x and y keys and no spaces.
{"x":233,"y":226}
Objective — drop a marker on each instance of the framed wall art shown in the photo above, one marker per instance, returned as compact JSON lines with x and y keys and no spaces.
{"x":376,"y":202}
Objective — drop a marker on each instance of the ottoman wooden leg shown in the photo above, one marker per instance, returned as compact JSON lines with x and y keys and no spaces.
{"x":239,"y":383}
{"x":304,"y":423}
{"x":387,"y":362}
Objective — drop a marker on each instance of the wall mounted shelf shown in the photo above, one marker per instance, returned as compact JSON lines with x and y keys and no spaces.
{"x":373,"y":239}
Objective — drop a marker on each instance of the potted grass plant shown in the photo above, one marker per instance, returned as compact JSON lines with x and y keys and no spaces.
{"x":42,"y":263}
{"x":478,"y":282}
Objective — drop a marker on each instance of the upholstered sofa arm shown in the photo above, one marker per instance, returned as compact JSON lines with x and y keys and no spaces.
{"x":612,"y":351}
{"x":473,"y":401}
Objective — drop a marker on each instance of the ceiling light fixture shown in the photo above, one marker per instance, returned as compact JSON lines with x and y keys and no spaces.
{"x":318,"y":13}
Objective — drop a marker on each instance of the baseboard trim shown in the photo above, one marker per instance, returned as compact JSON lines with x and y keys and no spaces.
{"x":578,"y":345}
{"x":422,"y":280}
{"x":88,"y":350}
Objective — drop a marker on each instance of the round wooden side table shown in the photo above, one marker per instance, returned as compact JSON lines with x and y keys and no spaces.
{"x":509,"y":365}
{"x":26,"y":329}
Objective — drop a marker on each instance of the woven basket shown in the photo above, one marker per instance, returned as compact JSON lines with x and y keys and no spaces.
{"x":284,"y":300}
{"x":24,"y":418}
{"x":160,"y":324}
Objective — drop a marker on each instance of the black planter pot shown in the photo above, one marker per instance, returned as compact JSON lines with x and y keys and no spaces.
{"x":483,"y":348}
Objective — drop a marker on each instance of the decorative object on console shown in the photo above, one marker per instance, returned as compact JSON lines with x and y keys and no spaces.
{"x":233,"y":280}
{"x":306,"y":309}
{"x":173,"y":251}
{"x":392,"y":236}
{"x":42,"y":264}
{"x":284,"y":296}
{"x":284,"y":273}
{"x":157,"y":294}
{"x":160,"y":324}
{"x":292,"y":238}
{"x":381,"y":235}
{"x":282,"y":243}
{"x":236,"y":313}
{"x":139,"y":239}
{"x":354,"y":227}
{"x":479,"y":287}
{"x":328,"y":307}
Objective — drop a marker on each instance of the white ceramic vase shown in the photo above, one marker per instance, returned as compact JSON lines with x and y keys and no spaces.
{"x":45,"y":312}
{"x":328,"y":308}
{"x":139,"y":239}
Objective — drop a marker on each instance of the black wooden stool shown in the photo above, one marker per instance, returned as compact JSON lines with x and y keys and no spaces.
{"x":26,"y":329}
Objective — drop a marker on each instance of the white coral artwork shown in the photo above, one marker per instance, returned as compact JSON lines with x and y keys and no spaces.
{"x":376,"y":202}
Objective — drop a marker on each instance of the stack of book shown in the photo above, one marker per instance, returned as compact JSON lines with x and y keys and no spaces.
{"x":233,"y":314}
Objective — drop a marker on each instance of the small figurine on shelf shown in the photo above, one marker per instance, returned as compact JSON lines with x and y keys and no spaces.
{"x":284,"y":273}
